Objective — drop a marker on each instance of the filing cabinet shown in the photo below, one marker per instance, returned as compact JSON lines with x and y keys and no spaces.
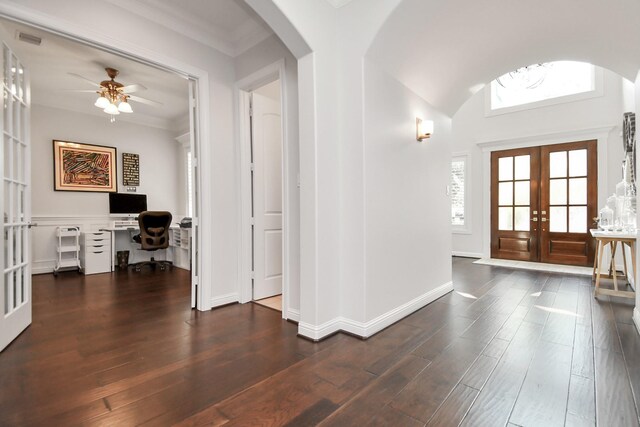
{"x":95,"y":252}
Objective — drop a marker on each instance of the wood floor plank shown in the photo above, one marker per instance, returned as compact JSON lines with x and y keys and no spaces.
{"x":582,"y":402}
{"x":630,"y":340}
{"x":138,"y":355}
{"x":582,"y":363}
{"x":498,"y":396}
{"x":605,"y":334}
{"x":421,"y":397}
{"x":366,"y":404}
{"x":542,"y":401}
{"x":453,"y":410}
{"x":391,"y":417}
{"x":479,"y":372}
{"x":614,"y":401}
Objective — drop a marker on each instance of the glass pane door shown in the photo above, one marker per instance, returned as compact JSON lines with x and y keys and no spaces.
{"x":514,"y":199}
{"x":16,"y":285}
{"x":568,"y":202}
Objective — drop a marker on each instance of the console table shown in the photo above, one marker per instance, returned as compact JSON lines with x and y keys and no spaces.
{"x":612,"y":239}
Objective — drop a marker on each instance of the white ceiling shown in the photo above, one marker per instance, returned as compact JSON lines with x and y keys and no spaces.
{"x":50,"y":63}
{"x":445,"y":50}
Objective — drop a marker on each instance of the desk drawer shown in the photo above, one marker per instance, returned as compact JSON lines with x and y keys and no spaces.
{"x":98,"y":238}
{"x":97,"y":247}
{"x":96,"y":260}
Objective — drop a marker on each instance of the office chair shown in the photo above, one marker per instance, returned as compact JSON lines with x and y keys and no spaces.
{"x":154,"y":235}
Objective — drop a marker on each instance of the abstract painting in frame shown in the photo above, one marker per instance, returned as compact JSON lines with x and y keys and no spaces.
{"x":84,"y":167}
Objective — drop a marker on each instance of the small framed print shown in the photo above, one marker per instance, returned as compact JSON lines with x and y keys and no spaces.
{"x":84,"y":167}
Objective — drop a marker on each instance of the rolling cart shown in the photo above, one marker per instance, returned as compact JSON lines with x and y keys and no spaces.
{"x":68,"y":249}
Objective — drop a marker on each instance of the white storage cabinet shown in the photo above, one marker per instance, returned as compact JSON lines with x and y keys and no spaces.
{"x":95,"y":252}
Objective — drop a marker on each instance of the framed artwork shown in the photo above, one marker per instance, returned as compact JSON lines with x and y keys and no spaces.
{"x":84,"y":167}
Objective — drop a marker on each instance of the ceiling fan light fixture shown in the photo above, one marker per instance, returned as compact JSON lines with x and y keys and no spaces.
{"x":125,"y":107}
{"x":112,"y":109}
{"x":102,"y":102}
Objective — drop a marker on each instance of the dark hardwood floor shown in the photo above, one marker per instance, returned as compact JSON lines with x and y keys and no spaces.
{"x":510,"y":347}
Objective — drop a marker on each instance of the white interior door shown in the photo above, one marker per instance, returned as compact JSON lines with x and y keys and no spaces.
{"x":192,"y":177}
{"x":267,"y":196}
{"x":15,"y":296}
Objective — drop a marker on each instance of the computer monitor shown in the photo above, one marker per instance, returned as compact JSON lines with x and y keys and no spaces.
{"x":124,"y":205}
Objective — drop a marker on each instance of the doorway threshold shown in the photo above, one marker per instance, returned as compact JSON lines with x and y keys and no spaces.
{"x":537,"y":266}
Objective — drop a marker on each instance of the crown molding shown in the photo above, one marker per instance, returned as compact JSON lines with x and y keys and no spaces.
{"x":338,"y":3}
{"x":173,"y":17}
{"x":135,"y":118}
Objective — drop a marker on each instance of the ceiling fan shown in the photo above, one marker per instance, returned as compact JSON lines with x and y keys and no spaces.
{"x":113,"y":96}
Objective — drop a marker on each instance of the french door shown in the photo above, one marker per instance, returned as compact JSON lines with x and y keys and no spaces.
{"x":15,"y":292}
{"x":543,"y":201}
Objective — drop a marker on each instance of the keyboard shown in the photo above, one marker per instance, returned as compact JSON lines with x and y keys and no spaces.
{"x":124,"y":224}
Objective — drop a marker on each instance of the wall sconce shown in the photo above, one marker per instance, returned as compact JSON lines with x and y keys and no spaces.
{"x":424,"y":129}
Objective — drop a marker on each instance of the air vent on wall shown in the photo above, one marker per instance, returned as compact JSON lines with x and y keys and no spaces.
{"x":29,"y":38}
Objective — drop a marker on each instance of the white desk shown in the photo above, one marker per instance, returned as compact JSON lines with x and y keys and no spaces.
{"x":179,"y":251}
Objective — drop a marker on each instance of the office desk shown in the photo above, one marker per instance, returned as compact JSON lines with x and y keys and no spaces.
{"x":178,"y":252}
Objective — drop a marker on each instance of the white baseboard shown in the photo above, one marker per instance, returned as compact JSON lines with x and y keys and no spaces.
{"x":467,"y":254}
{"x":367,"y":329}
{"x":293,"y":314}
{"x":43,"y":266}
{"x":636,"y":318}
{"x":321,"y":331}
{"x":224,"y":299}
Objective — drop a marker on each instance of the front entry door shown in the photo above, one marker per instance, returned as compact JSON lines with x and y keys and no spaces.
{"x":515,"y":177}
{"x":15,"y":292}
{"x":543,"y":200}
{"x":568,"y":195}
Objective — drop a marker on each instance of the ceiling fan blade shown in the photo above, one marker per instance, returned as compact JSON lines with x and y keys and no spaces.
{"x":133,"y":88}
{"x":145,"y":101}
{"x":80,"y":90}
{"x":85,"y":79}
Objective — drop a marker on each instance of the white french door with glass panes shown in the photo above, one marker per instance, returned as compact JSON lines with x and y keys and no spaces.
{"x":543,"y":200}
{"x":15,"y":298}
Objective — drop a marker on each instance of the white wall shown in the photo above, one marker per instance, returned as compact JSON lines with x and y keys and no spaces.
{"x":263,"y":54}
{"x":158,"y":173}
{"x":471,"y":126}
{"x":407,"y":230}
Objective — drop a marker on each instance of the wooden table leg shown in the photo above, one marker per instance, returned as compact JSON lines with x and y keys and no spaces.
{"x":600,"y":250}
{"x":632,"y":245}
{"x":595,"y":261}
{"x":624,"y":259}
{"x":612,"y":244}
{"x":614,"y":247}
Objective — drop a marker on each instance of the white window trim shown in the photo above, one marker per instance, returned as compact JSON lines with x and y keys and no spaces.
{"x":598,"y":90}
{"x":466,"y":157}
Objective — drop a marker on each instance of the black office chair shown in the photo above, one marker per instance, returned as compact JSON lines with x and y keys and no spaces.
{"x":154,"y":235}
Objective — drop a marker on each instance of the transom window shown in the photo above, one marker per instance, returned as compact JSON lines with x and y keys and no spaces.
{"x":539,"y":82}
